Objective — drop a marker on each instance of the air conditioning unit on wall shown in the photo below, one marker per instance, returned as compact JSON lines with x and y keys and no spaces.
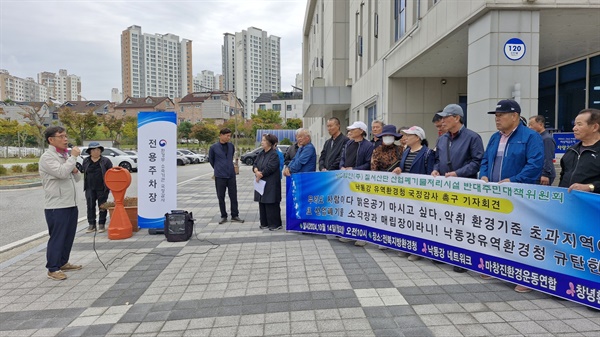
{"x":348,"y":82}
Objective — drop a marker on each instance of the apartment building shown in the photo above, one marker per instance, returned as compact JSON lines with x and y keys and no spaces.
{"x":251,"y":64}
{"x":21,"y":89}
{"x":155,"y":64}
{"x":401,"y":61}
{"x":62,"y":86}
{"x":205,"y":81}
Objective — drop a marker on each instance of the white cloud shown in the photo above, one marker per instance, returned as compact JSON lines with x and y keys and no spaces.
{"x":84,"y":37}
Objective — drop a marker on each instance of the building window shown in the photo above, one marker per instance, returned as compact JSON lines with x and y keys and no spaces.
{"x":359,"y":46}
{"x":371,"y":114}
{"x":571,"y":93}
{"x":288,"y":107}
{"x":399,"y":19}
{"x":276,"y":107}
{"x":547,"y":97}
{"x":594,"y":96}
{"x":262,"y":107}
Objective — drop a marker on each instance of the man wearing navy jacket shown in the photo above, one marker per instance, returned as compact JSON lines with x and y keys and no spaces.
{"x":220,"y":157}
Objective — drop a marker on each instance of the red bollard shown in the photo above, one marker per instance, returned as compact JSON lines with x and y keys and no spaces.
{"x":117,"y":179}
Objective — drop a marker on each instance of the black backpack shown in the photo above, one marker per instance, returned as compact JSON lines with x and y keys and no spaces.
{"x":179,"y":225}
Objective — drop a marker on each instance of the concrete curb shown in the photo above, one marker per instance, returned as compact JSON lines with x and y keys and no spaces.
{"x":34,"y":237}
{"x":20,"y":186}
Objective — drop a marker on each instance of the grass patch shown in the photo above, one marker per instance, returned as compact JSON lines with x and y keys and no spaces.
{"x":4,"y":161}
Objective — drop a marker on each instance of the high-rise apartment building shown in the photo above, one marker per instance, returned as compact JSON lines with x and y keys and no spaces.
{"x":251,"y":64}
{"x":62,"y":86}
{"x":227,"y":62}
{"x":205,"y":81}
{"x":21,"y":90}
{"x":155,"y":64}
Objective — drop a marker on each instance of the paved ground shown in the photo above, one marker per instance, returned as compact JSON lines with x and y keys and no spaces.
{"x":235,"y":279}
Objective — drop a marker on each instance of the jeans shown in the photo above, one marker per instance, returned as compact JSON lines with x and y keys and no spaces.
{"x":93,"y":197}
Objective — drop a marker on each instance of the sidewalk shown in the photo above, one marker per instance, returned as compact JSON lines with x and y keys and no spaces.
{"x":236,"y":279}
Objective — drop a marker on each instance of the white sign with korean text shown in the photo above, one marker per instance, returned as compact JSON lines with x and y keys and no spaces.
{"x":157,"y":167}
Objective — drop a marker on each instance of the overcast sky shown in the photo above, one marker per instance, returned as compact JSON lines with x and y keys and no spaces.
{"x":84,"y":36}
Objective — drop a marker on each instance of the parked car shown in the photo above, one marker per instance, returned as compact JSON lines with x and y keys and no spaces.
{"x":193,"y":160}
{"x":249,"y":157}
{"x":116,"y":156}
{"x":131,"y":152}
{"x":198,"y":158}
{"x":182,"y":160}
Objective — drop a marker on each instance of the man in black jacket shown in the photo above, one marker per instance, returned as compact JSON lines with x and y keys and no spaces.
{"x":332,"y":150}
{"x":220,"y":157}
{"x":580,"y":165}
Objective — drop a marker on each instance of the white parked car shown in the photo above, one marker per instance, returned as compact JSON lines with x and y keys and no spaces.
{"x":116,"y":156}
{"x":198,"y":158}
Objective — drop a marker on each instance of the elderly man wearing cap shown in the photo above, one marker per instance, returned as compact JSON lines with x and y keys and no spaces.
{"x":94,"y":168}
{"x":459,"y":150}
{"x":357,"y":152}
{"x":514,"y":154}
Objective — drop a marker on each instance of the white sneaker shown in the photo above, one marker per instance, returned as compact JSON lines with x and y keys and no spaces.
{"x":359,"y":243}
{"x":344,"y":240}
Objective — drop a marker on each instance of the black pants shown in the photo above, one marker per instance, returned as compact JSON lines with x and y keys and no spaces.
{"x":93,"y":197}
{"x":230,"y":185}
{"x":270,"y":215}
{"x":62,"y":225}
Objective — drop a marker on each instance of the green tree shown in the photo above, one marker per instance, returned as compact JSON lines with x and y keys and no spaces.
{"x":130,"y":129}
{"x":293,"y":123}
{"x":205,"y":132}
{"x":113,"y":127}
{"x":83,"y":125}
{"x":184,"y":130}
{"x":266,"y":119}
{"x":8,"y":132}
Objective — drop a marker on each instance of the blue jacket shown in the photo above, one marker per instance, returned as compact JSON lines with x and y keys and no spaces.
{"x":222,"y":163}
{"x":523,"y":156}
{"x":466,"y":150}
{"x":424,"y":155}
{"x":305,"y":159}
{"x":363,"y":157}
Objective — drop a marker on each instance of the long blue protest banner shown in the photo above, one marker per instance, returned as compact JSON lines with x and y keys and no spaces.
{"x":537,"y":236}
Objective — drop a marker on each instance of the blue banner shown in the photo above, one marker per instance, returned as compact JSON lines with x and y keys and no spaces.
{"x":537,"y":236}
{"x":564,"y":140}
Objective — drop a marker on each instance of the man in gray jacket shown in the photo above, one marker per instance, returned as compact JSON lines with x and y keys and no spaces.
{"x":59,"y":176}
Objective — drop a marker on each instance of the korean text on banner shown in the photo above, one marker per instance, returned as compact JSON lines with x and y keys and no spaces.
{"x":537,"y":236}
{"x":157,"y":167}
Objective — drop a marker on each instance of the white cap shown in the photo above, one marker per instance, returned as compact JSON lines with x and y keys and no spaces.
{"x":415,"y":130}
{"x":358,"y":125}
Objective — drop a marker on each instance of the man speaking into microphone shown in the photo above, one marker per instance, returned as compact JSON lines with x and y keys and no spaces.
{"x":59,"y":175}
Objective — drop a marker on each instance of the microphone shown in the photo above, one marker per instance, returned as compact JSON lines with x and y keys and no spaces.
{"x":70,"y":145}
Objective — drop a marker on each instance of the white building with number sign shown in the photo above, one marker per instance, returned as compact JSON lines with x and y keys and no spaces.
{"x":402,"y":61}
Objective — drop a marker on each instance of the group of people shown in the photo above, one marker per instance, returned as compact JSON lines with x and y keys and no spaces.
{"x":515,"y":154}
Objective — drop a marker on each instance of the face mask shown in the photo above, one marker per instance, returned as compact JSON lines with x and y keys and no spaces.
{"x":388,"y":140}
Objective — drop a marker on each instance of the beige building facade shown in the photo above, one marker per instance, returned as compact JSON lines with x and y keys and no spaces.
{"x":402,"y":61}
